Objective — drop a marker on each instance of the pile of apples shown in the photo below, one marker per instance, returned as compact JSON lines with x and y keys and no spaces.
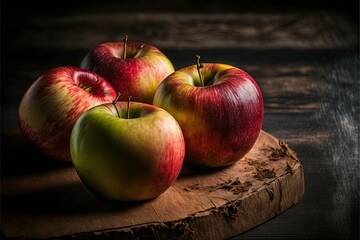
{"x":128,"y":120}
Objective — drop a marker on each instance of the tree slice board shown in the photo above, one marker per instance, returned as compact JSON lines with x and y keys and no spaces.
{"x":201,"y":204}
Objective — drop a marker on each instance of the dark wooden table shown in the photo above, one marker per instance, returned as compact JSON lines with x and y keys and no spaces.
{"x":305,"y":58}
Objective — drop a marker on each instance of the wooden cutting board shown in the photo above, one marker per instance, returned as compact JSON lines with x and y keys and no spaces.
{"x":209,"y":204}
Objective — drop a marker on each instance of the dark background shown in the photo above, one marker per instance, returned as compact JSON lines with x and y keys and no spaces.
{"x":303,"y":54}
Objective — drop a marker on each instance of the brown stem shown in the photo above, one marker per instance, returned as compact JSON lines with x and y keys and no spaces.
{"x":114,"y":102}
{"x":125,"y":41}
{"x":198,"y":66}
{"x":128,"y":108}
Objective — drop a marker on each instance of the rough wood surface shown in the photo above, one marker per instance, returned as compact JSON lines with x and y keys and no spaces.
{"x":304,"y":56}
{"x":202,"y":204}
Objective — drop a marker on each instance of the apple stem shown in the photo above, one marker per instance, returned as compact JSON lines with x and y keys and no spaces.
{"x":125,"y":41}
{"x":114,"y":102}
{"x":128,"y":108}
{"x":198,"y":66}
{"x":92,"y":84}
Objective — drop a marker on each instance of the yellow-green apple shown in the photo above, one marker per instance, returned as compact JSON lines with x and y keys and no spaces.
{"x":132,"y":68}
{"x":53,"y":102}
{"x":127,"y":151}
{"x":219,"y":108}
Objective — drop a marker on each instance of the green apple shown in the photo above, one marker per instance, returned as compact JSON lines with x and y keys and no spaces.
{"x":127,"y":151}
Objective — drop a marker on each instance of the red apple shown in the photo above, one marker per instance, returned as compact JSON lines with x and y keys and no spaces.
{"x":134,"y":69}
{"x":127,"y":151}
{"x":219,"y":108}
{"x":51,"y":105}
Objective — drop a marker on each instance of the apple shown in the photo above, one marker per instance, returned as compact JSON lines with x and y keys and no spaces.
{"x":127,"y":151}
{"x":53,"y":102}
{"x":132,"y":68}
{"x":219,"y":108}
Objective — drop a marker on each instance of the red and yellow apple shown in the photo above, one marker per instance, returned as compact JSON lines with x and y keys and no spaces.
{"x":219,"y":108}
{"x":51,"y":105}
{"x":132,"y":68}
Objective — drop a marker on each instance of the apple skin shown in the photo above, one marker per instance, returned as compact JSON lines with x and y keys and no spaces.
{"x":220,"y":120}
{"x":138,"y":75}
{"x":122,"y":159}
{"x":51,"y":105}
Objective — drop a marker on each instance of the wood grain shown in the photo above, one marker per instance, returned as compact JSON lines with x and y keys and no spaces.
{"x":304,"y":55}
{"x":202,"y":204}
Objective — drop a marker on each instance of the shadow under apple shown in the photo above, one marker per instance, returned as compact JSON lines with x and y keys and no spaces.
{"x":20,"y":157}
{"x":67,"y":199}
